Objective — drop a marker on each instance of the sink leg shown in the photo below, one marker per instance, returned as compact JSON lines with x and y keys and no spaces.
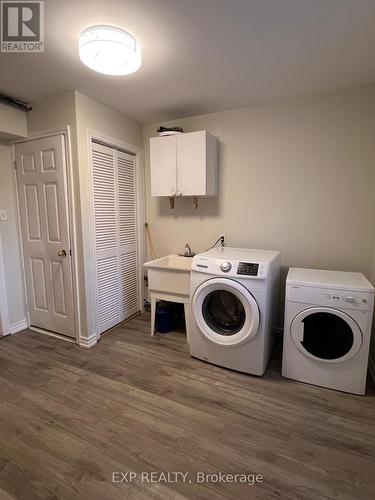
{"x":187,"y":321}
{"x":153,"y":314}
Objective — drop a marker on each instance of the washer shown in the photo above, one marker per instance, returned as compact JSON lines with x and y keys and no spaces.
{"x":327,"y":328}
{"x":233,"y":307}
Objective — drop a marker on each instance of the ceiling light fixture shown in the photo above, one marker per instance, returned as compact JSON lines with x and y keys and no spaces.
{"x":110,"y":50}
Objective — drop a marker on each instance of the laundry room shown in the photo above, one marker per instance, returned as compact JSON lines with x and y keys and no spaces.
{"x":187,"y":249}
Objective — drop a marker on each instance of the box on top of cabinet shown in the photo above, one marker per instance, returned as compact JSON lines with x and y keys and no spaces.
{"x":184,"y":164}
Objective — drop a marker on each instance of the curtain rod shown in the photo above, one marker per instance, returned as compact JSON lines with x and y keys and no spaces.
{"x":15,"y":103}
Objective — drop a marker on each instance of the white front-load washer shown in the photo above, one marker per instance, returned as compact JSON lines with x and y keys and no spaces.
{"x":234,"y":295}
{"x":327,"y":329}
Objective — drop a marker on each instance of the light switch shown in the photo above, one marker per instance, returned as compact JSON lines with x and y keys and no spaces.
{"x":3,"y":214}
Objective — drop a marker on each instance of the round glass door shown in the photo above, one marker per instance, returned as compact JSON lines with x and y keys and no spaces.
{"x":225,"y":311}
{"x":327,"y":335}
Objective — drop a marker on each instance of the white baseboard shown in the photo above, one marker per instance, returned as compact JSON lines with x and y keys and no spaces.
{"x":371,"y":368}
{"x":19,"y":326}
{"x":88,"y":342}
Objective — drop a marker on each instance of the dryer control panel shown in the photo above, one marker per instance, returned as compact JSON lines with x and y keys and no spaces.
{"x":340,"y":299}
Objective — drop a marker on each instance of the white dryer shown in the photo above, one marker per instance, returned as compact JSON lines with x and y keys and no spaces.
{"x":233,"y":307}
{"x":327,"y":328}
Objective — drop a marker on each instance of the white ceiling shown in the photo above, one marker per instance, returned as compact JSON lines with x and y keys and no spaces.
{"x":201,"y":56}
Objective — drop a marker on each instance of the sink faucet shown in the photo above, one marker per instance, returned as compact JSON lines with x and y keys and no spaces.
{"x":188,"y":252}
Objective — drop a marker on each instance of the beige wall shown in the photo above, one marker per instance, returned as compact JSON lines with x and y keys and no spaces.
{"x":372,"y":278}
{"x":95,"y":116}
{"x":52,"y":112}
{"x":13,"y":122}
{"x":296,"y":176}
{"x":10,"y":240}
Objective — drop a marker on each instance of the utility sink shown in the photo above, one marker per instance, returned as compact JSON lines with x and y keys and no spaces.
{"x":169,"y":279}
{"x":169,"y":274}
{"x":172,"y":261}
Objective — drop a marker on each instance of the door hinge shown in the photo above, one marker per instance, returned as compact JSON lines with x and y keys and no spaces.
{"x":14,"y":164}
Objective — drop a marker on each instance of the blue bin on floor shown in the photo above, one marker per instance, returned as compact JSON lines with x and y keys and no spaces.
{"x":164,"y":320}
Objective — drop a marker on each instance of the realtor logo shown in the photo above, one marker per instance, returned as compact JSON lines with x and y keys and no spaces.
{"x":22,"y":26}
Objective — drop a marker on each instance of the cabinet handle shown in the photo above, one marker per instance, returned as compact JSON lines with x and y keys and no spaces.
{"x":173,"y":193}
{"x":179,"y":193}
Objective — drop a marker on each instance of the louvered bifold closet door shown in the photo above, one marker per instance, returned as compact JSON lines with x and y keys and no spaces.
{"x":128,"y":233}
{"x":106,"y":237}
{"x":115,"y":218}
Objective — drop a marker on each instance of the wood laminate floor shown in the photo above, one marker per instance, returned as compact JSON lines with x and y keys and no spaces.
{"x":70,"y":418}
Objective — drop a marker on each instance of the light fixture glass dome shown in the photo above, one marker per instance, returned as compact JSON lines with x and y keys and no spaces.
{"x":109,"y":50}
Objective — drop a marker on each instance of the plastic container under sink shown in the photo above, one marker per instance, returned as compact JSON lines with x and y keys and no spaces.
{"x":164,"y":319}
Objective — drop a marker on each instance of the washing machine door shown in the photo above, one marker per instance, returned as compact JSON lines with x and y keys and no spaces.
{"x":326,"y":335}
{"x":225,"y":311}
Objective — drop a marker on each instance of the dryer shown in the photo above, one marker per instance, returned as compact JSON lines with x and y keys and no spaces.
{"x":234,"y":298}
{"x":327,"y":328}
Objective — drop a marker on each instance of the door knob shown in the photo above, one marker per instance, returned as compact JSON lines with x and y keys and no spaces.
{"x":62,"y":253}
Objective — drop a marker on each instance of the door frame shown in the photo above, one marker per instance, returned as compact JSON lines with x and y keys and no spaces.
{"x":4,"y":311}
{"x":72,"y":222}
{"x":88,"y":223}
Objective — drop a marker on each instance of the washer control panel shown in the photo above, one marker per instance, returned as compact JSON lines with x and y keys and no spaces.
{"x":231,"y":268}
{"x":248,"y":268}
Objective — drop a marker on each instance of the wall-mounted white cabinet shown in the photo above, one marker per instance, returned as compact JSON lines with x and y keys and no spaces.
{"x":184,"y":164}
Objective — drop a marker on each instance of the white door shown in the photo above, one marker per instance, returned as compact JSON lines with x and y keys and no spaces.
{"x":163,"y":160}
{"x":42,"y":193}
{"x":226,"y":312}
{"x":115,"y":235}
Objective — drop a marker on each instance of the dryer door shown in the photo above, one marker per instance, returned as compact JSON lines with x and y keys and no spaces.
{"x":226,"y":312}
{"x":326,"y":335}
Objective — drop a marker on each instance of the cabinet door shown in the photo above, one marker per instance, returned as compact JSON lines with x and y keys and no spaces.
{"x":191,"y":164}
{"x":163,"y":165}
